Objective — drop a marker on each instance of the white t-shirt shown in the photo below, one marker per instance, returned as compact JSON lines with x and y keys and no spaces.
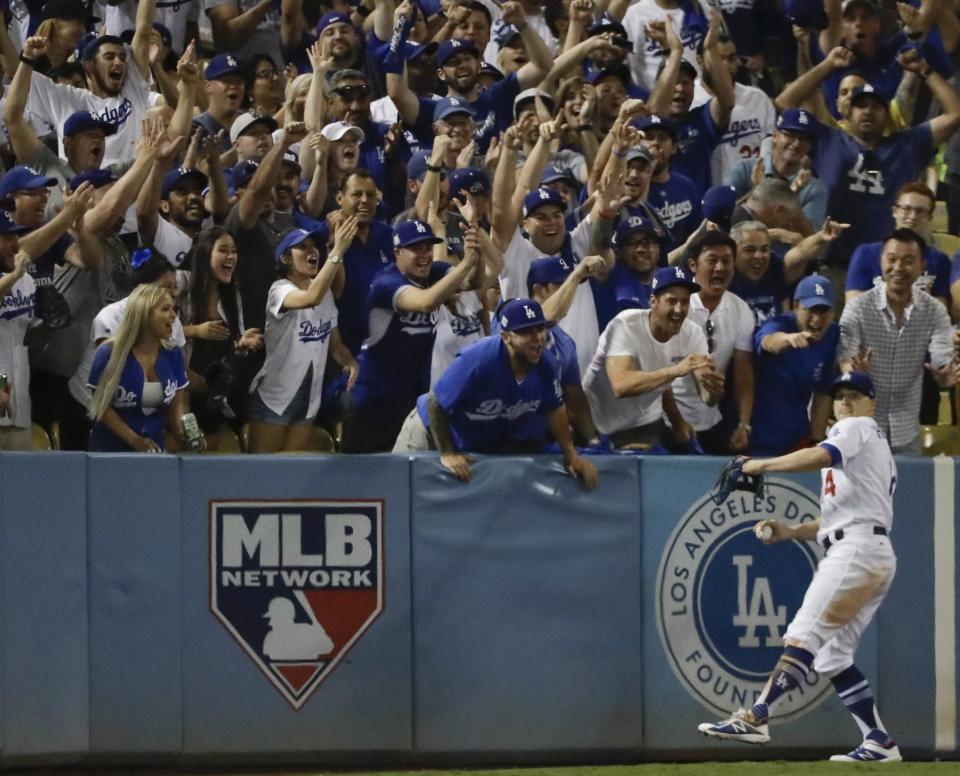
{"x":106,"y":325}
{"x":581,"y":320}
{"x":172,"y":241}
{"x":455,"y":332}
{"x":629,"y":335}
{"x":647,"y":54}
{"x":16,"y":316}
{"x":733,"y":330}
{"x":265,"y":38}
{"x":753,"y":118}
{"x":54,"y":103}
{"x":859,"y":488}
{"x":172,"y":14}
{"x":294,"y":339}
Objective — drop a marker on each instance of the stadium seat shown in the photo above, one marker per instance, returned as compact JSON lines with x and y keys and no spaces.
{"x":939,"y":221}
{"x":948,"y":243}
{"x":40,"y":438}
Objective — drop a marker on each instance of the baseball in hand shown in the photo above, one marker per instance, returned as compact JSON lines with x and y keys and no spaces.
{"x":764,"y":532}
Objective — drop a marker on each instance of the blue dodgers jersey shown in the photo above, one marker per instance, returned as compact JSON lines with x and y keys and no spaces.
{"x":395,"y":359}
{"x":863,"y":183}
{"x":485,"y":403}
{"x":172,"y":375}
{"x":765,"y":296}
{"x":784,"y":384}
{"x":494,"y":110}
{"x":697,"y":137}
{"x":865,"y":273}
{"x":677,"y":202}
{"x":361,"y":263}
{"x":629,"y":292}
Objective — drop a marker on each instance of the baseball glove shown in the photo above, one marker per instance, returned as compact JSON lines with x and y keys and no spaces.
{"x":51,"y":308}
{"x":732,"y":478}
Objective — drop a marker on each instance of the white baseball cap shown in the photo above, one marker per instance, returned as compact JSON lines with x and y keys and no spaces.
{"x":339,"y":129}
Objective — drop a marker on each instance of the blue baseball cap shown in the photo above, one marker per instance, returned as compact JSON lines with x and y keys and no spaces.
{"x":172,"y":179}
{"x":412,"y":49}
{"x":8,"y":226}
{"x":23,"y":177}
{"x":222,"y":65}
{"x":82,"y":120}
{"x":455,"y":46}
{"x":520,"y":314}
{"x":470,"y":179}
{"x":867,"y":92}
{"x":295,"y":237}
{"x":487,"y":69}
{"x":91,"y":47}
{"x":165,"y":37}
{"x":606,"y":23}
{"x":620,"y":72}
{"x":450,"y":105}
{"x":814,"y":291}
{"x":718,"y":205}
{"x":97,"y":177}
{"x":666,"y":277}
{"x":539,"y":197}
{"x":550,"y":269}
{"x":332,"y":18}
{"x":417,"y":166}
{"x":657,"y":122}
{"x":799,"y":120}
{"x":859,"y":381}
{"x":412,"y":232}
{"x":555,"y":173}
{"x":633,"y":225}
{"x":505,"y":34}
{"x":240,"y":174}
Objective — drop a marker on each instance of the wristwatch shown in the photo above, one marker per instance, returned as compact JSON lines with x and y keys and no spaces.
{"x":335,"y":258}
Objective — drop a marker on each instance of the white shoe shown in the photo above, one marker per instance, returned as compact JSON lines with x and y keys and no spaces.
{"x":871,"y":752}
{"x":737,"y":728}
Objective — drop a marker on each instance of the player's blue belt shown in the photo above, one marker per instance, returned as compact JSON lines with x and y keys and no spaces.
{"x":878,"y":530}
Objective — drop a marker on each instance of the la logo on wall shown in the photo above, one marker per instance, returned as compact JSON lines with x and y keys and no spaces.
{"x":724,"y":599}
{"x":296,"y":583}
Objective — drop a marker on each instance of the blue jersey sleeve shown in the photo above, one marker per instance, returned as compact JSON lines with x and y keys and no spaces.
{"x":453,"y":385}
{"x":771,"y":326}
{"x":383,"y":289}
{"x":939,"y":265}
{"x":551,"y":393}
{"x":862,"y":268}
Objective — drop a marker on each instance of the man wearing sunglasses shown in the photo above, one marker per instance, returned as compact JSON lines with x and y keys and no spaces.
{"x":727,"y":322}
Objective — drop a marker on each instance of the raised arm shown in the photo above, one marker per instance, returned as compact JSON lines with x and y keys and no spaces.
{"x":722,"y":103}
{"x":315,"y":105}
{"x":23,"y":138}
{"x":398,"y":88}
{"x":427,"y":300}
{"x":627,"y":380}
{"x":265,"y":178}
{"x":541,"y":59}
{"x":797,"y":259}
{"x":143,"y":29}
{"x":800,"y":90}
{"x":188,"y":74}
{"x":665,"y":35}
{"x":504,"y":210}
{"x":943,"y":126}
{"x":430,"y":188}
{"x":557,"y":305}
{"x":232,"y":29}
{"x":292,"y":23}
{"x":8,"y":280}
{"x":75,"y":203}
{"x":833,"y":34}
{"x":321,"y":283}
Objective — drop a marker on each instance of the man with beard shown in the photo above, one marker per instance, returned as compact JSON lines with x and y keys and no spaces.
{"x":340,"y":41}
{"x":783,"y":156}
{"x":891,"y":331}
{"x":913,"y":211}
{"x":636,"y":245}
{"x":795,"y":356}
{"x":494,"y":387}
{"x":698,"y":130}
{"x":179,"y":195}
{"x":640,"y":354}
{"x":252,"y":224}
{"x":370,"y":251}
{"x":458,"y":63}
{"x":673,"y":196}
{"x":224,"y":88}
{"x":863,"y":170}
{"x":252,"y":136}
{"x":727,"y":322}
{"x":117,"y":91}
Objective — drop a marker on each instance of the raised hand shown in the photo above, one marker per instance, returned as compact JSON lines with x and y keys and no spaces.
{"x":188,"y":70}
{"x":343,"y":235}
{"x":840,"y":57}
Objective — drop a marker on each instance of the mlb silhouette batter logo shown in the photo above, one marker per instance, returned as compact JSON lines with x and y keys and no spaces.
{"x":296,"y":583}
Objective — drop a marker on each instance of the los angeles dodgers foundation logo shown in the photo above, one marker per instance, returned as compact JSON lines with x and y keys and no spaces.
{"x":724,"y":600}
{"x":296,"y":583}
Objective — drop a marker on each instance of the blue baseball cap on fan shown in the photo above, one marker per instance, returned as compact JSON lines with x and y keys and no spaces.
{"x":550,"y":269}
{"x":814,"y":291}
{"x":220,"y":66}
{"x":332,"y":18}
{"x":23,"y":177}
{"x":8,"y":226}
{"x":859,"y":381}
{"x":172,"y":179}
{"x":666,"y":277}
{"x":633,"y":225}
{"x":82,"y":120}
{"x":470,"y":179}
{"x":520,"y":314}
{"x":718,"y":205}
{"x":539,"y":198}
{"x":449,"y":48}
{"x":96,"y":177}
{"x":412,"y":232}
{"x":450,"y":105}
{"x":293,"y":238}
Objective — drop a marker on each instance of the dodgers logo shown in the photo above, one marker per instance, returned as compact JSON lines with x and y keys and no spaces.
{"x":724,"y":600}
{"x":296,"y":583}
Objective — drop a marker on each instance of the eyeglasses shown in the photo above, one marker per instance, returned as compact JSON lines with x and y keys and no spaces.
{"x":351,"y":93}
{"x":710,"y":328}
{"x":909,"y":210}
{"x":267,"y":75}
{"x":643,"y":242}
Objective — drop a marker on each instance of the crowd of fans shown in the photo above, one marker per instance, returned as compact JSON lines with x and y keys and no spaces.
{"x":475,"y":226}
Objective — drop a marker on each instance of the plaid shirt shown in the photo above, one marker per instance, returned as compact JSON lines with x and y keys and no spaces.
{"x":898,"y":354}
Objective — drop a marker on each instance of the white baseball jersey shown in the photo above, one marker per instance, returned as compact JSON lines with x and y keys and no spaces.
{"x":859,"y":486}
{"x":172,"y":14}
{"x":104,"y":326}
{"x":172,"y":241}
{"x":16,"y":316}
{"x":455,"y":331}
{"x":647,"y":55}
{"x":294,"y":340}
{"x":753,"y":118}
{"x":629,"y":335}
{"x":580,"y":321}
{"x":54,"y":103}
{"x":733,"y":330}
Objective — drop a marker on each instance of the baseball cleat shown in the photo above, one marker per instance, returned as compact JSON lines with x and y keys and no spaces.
{"x":737,"y":728}
{"x":871,"y":752}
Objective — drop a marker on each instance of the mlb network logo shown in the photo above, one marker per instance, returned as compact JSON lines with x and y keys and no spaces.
{"x":296,"y":583}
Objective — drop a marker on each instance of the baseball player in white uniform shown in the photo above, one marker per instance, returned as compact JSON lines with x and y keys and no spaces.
{"x":858,"y":480}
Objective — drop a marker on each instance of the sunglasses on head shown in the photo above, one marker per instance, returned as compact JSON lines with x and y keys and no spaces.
{"x":349,"y":93}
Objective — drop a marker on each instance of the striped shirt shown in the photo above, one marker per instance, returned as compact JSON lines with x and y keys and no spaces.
{"x":899,"y":354}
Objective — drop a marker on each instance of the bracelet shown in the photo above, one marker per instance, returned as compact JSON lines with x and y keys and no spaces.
{"x":746,"y":427}
{"x":433,"y":167}
{"x":27,"y":60}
